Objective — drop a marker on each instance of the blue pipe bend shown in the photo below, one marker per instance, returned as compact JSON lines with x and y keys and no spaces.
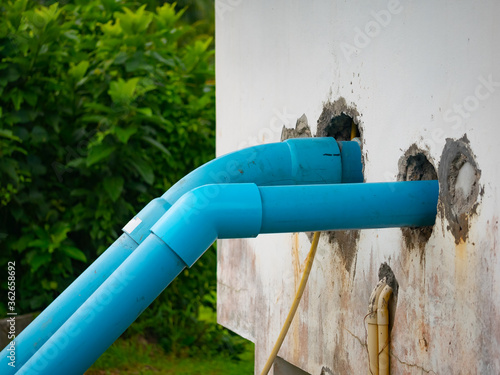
{"x":295,"y":161}
{"x":210,"y":212}
{"x":241,"y":210}
{"x":246,"y":210}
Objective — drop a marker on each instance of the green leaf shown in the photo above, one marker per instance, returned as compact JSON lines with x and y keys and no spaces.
{"x":59,"y":233}
{"x":42,"y":244}
{"x":123,"y":134}
{"x":157,"y":144}
{"x":167,"y":16}
{"x":98,"y":153}
{"x":8,"y":134}
{"x":30,"y":97}
{"x":113,"y":186}
{"x":134,"y":23}
{"x":39,"y":260}
{"x":76,"y":163}
{"x":74,"y":253}
{"x":22,"y":243}
{"x":49,"y":285}
{"x":111,"y":29}
{"x":122,"y":92}
{"x":78,"y":71}
{"x":144,"y":169}
{"x":145,"y":111}
{"x":17,"y":99}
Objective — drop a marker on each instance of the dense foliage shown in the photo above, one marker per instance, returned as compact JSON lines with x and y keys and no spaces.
{"x":104,"y":104}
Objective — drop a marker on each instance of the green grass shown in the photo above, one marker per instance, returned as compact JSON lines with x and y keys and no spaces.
{"x":137,"y":356}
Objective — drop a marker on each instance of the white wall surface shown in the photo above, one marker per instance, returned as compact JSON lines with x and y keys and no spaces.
{"x":429,"y":71}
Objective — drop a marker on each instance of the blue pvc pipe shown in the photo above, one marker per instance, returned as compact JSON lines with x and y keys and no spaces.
{"x":37,"y":333}
{"x":300,"y":161}
{"x":103,"y":316}
{"x":349,"y":206}
{"x":295,"y":161}
{"x":190,"y":226}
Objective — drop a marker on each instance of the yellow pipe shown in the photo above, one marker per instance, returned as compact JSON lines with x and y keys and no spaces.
{"x":295,"y":304}
{"x":383,"y":330}
{"x":372,"y":330}
{"x":353,"y":130}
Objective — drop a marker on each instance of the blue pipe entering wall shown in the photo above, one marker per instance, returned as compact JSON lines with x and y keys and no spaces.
{"x":197,"y":219}
{"x":293,"y":162}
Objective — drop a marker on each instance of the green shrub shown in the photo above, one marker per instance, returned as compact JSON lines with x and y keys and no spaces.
{"x":103,"y":106}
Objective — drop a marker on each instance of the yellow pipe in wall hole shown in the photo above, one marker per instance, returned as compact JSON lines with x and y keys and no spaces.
{"x":372,"y":329}
{"x":383,"y":331}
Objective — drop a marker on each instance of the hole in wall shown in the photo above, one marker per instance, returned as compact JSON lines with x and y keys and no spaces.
{"x":336,"y":121}
{"x":459,"y":180}
{"x":415,"y":165}
{"x":390,"y":279}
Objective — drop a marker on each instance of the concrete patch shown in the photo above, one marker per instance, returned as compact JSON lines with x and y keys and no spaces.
{"x":459,"y":186}
{"x":301,"y":130}
{"x":415,"y":165}
{"x":336,"y":121}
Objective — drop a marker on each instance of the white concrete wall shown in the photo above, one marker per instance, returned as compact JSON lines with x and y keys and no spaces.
{"x":420,"y":76}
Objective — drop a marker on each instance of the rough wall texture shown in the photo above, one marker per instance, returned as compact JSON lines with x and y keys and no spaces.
{"x":424,"y":80}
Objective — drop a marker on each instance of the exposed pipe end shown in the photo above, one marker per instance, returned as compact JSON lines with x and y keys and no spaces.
{"x":352,"y":168}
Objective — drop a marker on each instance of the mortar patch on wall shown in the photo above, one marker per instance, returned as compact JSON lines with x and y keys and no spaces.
{"x":459,"y":186}
{"x":415,"y":165}
{"x":301,"y":130}
{"x":336,"y":121}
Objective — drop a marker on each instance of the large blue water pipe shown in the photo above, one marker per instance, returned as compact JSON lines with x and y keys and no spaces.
{"x":293,"y":162}
{"x":197,"y":219}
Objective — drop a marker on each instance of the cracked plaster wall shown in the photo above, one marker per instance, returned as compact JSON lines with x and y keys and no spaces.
{"x":414,"y":86}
